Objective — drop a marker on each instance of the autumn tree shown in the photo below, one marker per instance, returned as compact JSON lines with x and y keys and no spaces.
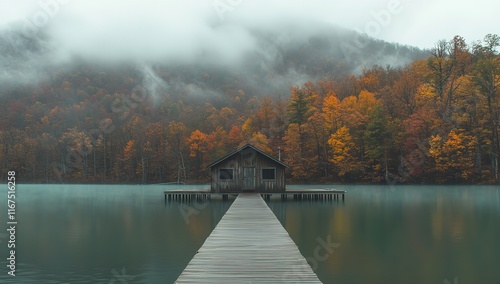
{"x":402,"y":94}
{"x":235,"y":137}
{"x":304,"y":112}
{"x":344,"y":154}
{"x":78,"y":146}
{"x":293,"y":154}
{"x":447,"y":63}
{"x":486,"y":76}
{"x":260,"y":141}
{"x":355,"y":113}
{"x":378,"y":141}
{"x":331,"y":113}
{"x":453,"y":157}
{"x":263,"y":117}
{"x":217,"y":143}
{"x":175,"y":137}
{"x":134,"y":131}
{"x":198,"y":147}
{"x":129,"y":161}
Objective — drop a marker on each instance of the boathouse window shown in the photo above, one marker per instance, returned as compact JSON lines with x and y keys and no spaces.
{"x":269,"y":173}
{"x":226,"y":174}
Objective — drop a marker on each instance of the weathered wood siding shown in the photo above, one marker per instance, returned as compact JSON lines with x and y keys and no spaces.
{"x":269,"y":185}
{"x":251,"y":159}
{"x":227,"y":185}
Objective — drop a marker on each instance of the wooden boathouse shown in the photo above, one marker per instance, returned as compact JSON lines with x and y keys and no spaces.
{"x":247,"y":169}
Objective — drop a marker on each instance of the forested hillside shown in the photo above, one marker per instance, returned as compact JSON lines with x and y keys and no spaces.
{"x":428,"y":120}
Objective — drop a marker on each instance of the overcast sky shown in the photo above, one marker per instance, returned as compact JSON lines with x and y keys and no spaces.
{"x":147,"y":28}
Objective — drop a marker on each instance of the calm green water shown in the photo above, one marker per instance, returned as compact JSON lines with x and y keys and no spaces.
{"x":104,"y":234}
{"x":402,"y":234}
{"x":126,"y":234}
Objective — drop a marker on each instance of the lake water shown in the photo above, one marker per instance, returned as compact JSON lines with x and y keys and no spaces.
{"x":381,"y":234}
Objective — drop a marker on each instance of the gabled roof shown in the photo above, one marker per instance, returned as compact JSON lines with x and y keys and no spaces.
{"x":243,"y":148}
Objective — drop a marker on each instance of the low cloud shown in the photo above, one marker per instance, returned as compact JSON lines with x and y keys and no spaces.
{"x":37,"y":36}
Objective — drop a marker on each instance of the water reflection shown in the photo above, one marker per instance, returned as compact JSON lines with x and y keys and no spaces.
{"x":404,"y":234}
{"x":98,"y":234}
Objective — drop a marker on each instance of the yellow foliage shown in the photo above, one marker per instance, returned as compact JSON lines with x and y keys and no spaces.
{"x":247,"y":127}
{"x":366,"y":101}
{"x":342,"y":146}
{"x":129,"y":150}
{"x":454,"y":156}
{"x":425,"y":96}
{"x":331,"y":111}
{"x":260,"y":141}
{"x":197,"y":143}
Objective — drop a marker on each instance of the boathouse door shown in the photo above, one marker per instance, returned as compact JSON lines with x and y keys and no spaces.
{"x":248,"y":178}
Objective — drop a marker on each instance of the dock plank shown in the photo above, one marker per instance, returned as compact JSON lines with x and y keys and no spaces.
{"x":249,"y":245}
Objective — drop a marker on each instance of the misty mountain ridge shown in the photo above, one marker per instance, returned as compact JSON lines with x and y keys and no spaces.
{"x":273,"y":61}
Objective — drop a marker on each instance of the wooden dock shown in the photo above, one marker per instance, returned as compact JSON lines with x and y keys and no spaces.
{"x":249,"y":245}
{"x":298,"y":195}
